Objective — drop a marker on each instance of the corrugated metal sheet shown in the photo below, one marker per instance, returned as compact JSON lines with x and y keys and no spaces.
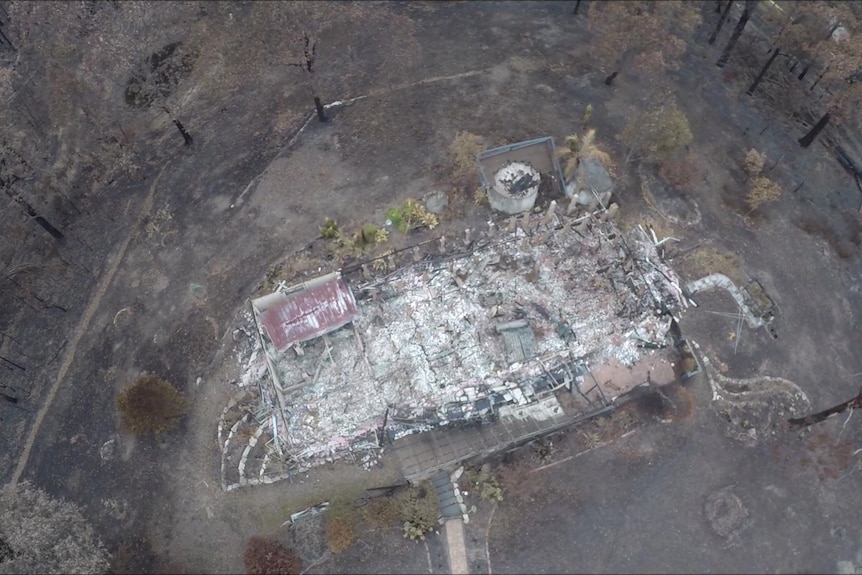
{"x":309,"y":313}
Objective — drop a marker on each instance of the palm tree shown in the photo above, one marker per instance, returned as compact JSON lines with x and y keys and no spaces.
{"x":580,"y":148}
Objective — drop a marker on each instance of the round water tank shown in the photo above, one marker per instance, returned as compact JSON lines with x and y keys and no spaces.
{"x":515,"y":188}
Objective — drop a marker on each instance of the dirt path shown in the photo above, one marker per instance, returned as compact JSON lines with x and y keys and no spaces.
{"x":82,"y":327}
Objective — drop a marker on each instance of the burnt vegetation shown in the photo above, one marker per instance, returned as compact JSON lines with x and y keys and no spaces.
{"x":150,"y":405}
{"x":100,"y":98}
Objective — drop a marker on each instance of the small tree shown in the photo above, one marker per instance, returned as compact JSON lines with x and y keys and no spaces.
{"x":267,"y":557}
{"x":657,"y":134}
{"x":150,"y":405}
{"x":39,"y":534}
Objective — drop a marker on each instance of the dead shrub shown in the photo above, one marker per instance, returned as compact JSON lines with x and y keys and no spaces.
{"x":818,"y":226}
{"x":753,"y":163}
{"x":679,"y":172}
{"x":382,"y":512}
{"x":517,"y":479}
{"x":340,"y":521}
{"x":267,"y":557}
{"x":150,"y":405}
{"x":762,"y":190}
{"x":464,"y":149}
{"x":132,"y":556}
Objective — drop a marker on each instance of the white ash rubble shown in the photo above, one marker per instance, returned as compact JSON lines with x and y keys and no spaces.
{"x":426,"y":349}
{"x":249,"y":352}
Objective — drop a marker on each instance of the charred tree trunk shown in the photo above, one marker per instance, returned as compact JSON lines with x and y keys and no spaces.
{"x":763,"y":71}
{"x":4,"y":39}
{"x":28,"y":209}
{"x":722,"y":19}
{"x":19,"y":298}
{"x":12,"y":363}
{"x":187,"y":138}
{"x":610,"y":79}
{"x":737,"y":32}
{"x":321,"y":111}
{"x":808,"y":138}
{"x":817,"y":53}
{"x":817,"y":81}
{"x":30,"y":293}
{"x":780,"y":34}
{"x":798,"y":423}
{"x":577,"y":5}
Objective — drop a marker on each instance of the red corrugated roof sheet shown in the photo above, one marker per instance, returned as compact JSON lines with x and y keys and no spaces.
{"x":309,"y":313}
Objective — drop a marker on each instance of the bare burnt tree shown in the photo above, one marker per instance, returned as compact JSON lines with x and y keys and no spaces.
{"x":791,"y":37}
{"x":750,"y":6}
{"x":306,"y":63}
{"x":182,"y":129}
{"x":649,"y":37}
{"x":721,"y":20}
{"x":12,"y":168}
{"x":760,"y":75}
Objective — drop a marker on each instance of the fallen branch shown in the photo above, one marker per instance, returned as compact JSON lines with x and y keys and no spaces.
{"x":798,"y":423}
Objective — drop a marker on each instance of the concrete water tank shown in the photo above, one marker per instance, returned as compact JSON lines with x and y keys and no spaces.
{"x":515,"y":188}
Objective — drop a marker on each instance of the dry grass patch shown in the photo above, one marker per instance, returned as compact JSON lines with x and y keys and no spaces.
{"x":341,"y":520}
{"x":704,"y":261}
{"x":267,"y":557}
{"x":464,"y":149}
{"x":150,"y":405}
{"x":679,"y":172}
{"x":382,"y":512}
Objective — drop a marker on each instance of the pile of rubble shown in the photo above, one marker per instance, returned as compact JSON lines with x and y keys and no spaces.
{"x":453,"y":341}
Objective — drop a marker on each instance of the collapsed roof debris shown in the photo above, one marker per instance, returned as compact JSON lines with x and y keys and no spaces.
{"x":452,"y":342}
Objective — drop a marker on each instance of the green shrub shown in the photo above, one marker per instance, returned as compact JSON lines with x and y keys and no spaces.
{"x":371,"y":234}
{"x":418,"y":507}
{"x":483,"y":479}
{"x":410,"y":216}
{"x":329,"y":229}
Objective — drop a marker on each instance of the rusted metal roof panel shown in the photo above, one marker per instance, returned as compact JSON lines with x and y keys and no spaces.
{"x":309,"y":313}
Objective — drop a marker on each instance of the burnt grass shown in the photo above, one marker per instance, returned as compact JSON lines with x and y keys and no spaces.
{"x":176,"y":333}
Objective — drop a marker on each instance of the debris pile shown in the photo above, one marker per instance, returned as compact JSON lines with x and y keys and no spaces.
{"x":249,"y":352}
{"x":452,"y":342}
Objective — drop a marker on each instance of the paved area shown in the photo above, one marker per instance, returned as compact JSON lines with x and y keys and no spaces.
{"x":455,"y":545}
{"x":421,"y":455}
